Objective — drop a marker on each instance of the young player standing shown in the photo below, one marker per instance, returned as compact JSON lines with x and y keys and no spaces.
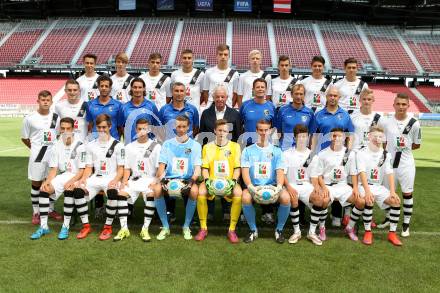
{"x":87,"y":81}
{"x":282,"y":85}
{"x":121,"y":79}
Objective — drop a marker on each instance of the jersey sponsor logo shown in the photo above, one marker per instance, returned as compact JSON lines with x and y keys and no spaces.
{"x":47,"y":136}
{"x":337,"y":174}
{"x":119,"y":96}
{"x":122,"y":154}
{"x":262,"y":170}
{"x":83,"y":157}
{"x":75,"y":124}
{"x":400,"y":142}
{"x":141,"y":166}
{"x":374,"y":174}
{"x":316,"y":99}
{"x":90,"y":95}
{"x":68,"y":167}
{"x":301,"y":173}
{"x":152,"y":95}
{"x":180,"y":164}
{"x":103,"y":166}
{"x":221,"y":169}
{"x":353,"y":102}
{"x":188,"y":93}
{"x":282,"y":99}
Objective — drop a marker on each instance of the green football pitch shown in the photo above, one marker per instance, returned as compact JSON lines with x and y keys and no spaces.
{"x":176,"y":265}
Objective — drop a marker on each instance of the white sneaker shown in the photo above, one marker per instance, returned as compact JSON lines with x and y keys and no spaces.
{"x":251,"y":237}
{"x":336,"y":222}
{"x":405,"y":233}
{"x":315,"y":239}
{"x":295,"y":237}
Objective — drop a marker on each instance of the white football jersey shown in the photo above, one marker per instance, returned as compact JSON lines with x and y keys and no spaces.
{"x":314,"y":97}
{"x":157,"y":95}
{"x":97,"y":157}
{"x":213,"y":77}
{"x":86,"y":85}
{"x":396,"y":141}
{"x":329,"y":165}
{"x":118,"y":92}
{"x":295,"y":170}
{"x":245,"y":84}
{"x":65,"y":109}
{"x":192,"y":89}
{"x":280,"y":93}
{"x":362,"y":124}
{"x":68,"y":158}
{"x":37,"y":128}
{"x":368,"y":161}
{"x":349,"y":100}
{"x":140,"y":160}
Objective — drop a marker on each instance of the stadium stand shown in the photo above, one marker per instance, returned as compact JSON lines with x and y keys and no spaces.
{"x":342,"y":41}
{"x":156,"y":36}
{"x":431,"y":93}
{"x":249,"y":35}
{"x":21,"y":41}
{"x":427,"y":50}
{"x":296,"y":40}
{"x":202,"y":36}
{"x":62,"y":42}
{"x":385,"y":93}
{"x":120,"y":31}
{"x":389,"y":50}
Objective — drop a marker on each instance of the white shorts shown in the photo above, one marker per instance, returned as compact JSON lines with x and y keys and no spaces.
{"x":58,"y":183}
{"x":340,"y":192}
{"x":304,"y":190}
{"x":95,"y":184}
{"x":405,"y":176}
{"x":135,"y":187}
{"x":38,"y":171}
{"x":380,"y":192}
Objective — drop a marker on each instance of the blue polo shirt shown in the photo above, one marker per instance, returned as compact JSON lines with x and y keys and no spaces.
{"x":131,"y":113}
{"x":251,"y":112}
{"x":113,"y":108}
{"x":287,"y":118}
{"x":168,"y":115}
{"x":325,"y":121}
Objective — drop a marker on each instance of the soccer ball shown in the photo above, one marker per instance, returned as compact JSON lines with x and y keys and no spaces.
{"x":266,"y":194}
{"x":219,"y":186}
{"x":174,"y":187}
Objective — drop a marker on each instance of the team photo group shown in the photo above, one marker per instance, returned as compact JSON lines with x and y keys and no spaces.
{"x":282,"y":145}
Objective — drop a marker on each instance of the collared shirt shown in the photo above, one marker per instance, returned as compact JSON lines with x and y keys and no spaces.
{"x":325,"y":121}
{"x":131,"y":113}
{"x":168,"y":114}
{"x":220,"y":114}
{"x":113,"y":108}
{"x":287,"y":118}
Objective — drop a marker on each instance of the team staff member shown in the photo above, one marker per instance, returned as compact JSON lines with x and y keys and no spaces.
{"x":220,"y":74}
{"x":104,"y":169}
{"x":105,"y":104}
{"x":121,"y":79}
{"x":74,"y":108}
{"x":191,"y":77}
{"x":157,"y":83}
{"x":291,"y":115}
{"x":87,"y":81}
{"x":404,"y":135}
{"x":39,"y":133}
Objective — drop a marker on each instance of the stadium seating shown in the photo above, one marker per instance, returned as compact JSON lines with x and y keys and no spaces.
{"x":426,"y":48}
{"x":385,"y":93}
{"x":156,"y":36}
{"x":21,"y":42}
{"x":389,"y":50}
{"x":202,"y":36}
{"x":431,"y":93}
{"x":247,"y":36}
{"x":25,"y":90}
{"x":103,"y":46}
{"x":63,"y":41}
{"x":342,"y":41}
{"x":297,"y":40}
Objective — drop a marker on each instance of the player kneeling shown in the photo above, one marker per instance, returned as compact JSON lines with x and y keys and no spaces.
{"x":179,"y":168}
{"x":374,"y":167}
{"x":68,"y":157}
{"x":221,"y":170}
{"x":106,"y":156}
{"x":334,"y":164}
{"x":262,"y":168}
{"x":297,"y":182}
{"x":141,"y":161}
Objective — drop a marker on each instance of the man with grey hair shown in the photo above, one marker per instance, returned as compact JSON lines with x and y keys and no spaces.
{"x":220,"y":110}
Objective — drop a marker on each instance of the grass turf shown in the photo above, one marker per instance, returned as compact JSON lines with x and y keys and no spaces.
{"x":214,"y":265}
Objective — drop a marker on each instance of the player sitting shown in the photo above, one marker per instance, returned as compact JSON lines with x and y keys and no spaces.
{"x":141,"y":161}
{"x":106,"y":155}
{"x":262,"y":168}
{"x":334,"y":164}
{"x":374,"y":167}
{"x":179,"y":168}
{"x":221,"y":170}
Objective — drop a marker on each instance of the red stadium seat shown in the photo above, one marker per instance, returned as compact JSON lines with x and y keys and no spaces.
{"x":431,"y":93}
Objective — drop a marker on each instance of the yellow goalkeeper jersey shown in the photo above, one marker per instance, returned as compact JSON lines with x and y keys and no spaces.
{"x":221,"y":161}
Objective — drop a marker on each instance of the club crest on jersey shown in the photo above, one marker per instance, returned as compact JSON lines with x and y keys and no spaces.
{"x":47,"y":136}
{"x":152,"y":95}
{"x":374,"y":174}
{"x":337,"y":174}
{"x":353,"y":102}
{"x":282,"y":98}
{"x":141,"y":166}
{"x":339,"y":116}
{"x":187,"y":151}
{"x":110,"y":109}
{"x":400,"y":141}
{"x":269,"y":156}
{"x":83,"y":157}
{"x":75,"y":124}
{"x":301,"y":174}
{"x":303,"y":118}
{"x":266,"y":112}
{"x":317,"y":98}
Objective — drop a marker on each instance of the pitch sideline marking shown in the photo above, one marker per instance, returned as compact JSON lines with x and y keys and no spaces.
{"x":12,"y":149}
